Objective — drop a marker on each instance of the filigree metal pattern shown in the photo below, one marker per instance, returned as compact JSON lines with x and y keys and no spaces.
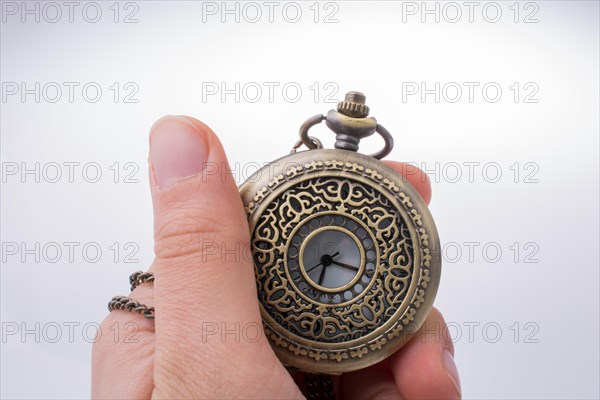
{"x":355,"y":323}
{"x":337,"y":202}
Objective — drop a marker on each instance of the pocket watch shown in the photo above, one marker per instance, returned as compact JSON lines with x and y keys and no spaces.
{"x":346,"y":253}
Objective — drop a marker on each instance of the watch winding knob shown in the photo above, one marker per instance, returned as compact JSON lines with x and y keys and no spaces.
{"x":354,"y":105}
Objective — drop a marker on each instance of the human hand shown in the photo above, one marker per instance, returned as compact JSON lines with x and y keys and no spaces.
{"x":173,"y":356}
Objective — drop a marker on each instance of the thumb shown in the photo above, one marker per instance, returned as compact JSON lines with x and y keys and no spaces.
{"x":205,"y":298}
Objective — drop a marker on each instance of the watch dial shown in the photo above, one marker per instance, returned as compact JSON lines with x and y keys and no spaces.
{"x":331,"y":258}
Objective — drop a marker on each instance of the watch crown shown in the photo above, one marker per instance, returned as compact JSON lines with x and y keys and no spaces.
{"x":354,"y":105}
{"x":350,"y":123}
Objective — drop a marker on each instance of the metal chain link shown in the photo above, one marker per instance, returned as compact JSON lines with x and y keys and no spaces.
{"x":139,"y":277}
{"x":128,"y":304}
{"x":319,"y":387}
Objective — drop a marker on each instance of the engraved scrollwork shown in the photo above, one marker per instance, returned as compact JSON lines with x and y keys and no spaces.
{"x":332,"y":193}
{"x":344,"y":200}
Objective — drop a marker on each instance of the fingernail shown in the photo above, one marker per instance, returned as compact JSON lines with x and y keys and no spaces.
{"x":450,"y":366}
{"x":178,"y":150}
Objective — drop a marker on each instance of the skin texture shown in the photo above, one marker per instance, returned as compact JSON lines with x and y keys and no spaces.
{"x":199,"y":293}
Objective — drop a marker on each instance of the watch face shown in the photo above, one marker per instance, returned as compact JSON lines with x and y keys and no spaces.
{"x":345,"y":255}
{"x":332,"y":258}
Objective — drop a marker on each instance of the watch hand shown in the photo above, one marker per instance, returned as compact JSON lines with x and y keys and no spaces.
{"x":345,"y":265}
{"x":310,"y":269}
{"x":322,"y":275}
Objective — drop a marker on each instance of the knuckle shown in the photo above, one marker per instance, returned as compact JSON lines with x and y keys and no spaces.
{"x":183,"y":232}
{"x":189,"y":232}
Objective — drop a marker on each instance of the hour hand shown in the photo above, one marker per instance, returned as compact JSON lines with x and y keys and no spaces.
{"x":322,"y":275}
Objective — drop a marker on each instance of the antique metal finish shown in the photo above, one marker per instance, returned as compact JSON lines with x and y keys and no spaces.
{"x":139,"y":277}
{"x":350,"y":124}
{"x":390,"y":283}
{"x":127,"y":304}
{"x":354,"y":105}
{"x":316,"y":142}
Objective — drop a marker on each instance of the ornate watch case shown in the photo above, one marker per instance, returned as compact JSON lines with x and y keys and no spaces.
{"x":346,"y":253}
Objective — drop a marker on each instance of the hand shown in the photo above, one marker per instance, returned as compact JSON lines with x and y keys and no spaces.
{"x":196,"y":291}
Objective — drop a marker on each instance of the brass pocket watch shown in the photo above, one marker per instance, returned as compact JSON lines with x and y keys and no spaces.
{"x":346,"y":253}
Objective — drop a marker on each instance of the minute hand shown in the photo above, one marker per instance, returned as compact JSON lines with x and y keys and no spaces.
{"x":341,"y":264}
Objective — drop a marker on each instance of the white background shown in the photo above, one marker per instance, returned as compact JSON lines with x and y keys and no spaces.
{"x":533,"y":312}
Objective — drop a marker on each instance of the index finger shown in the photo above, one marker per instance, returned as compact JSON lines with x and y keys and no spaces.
{"x":415,"y":176}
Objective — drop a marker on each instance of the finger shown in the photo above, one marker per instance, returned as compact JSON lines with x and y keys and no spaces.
{"x":415,"y":176}
{"x":200,"y":228}
{"x":123,"y":353}
{"x":207,"y":310}
{"x":425,"y":367}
